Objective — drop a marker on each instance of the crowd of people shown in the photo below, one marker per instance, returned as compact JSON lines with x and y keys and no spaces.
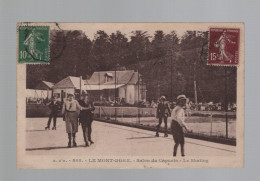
{"x":205,"y":106}
{"x":201,"y":106}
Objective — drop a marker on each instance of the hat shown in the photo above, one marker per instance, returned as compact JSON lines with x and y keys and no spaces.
{"x":162,"y":98}
{"x":70,"y":95}
{"x":180,"y":97}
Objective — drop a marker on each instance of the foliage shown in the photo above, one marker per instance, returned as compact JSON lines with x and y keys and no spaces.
{"x":168,"y":64}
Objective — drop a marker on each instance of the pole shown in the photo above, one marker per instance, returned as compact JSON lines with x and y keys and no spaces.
{"x":195,"y":94}
{"x":195,"y":87}
{"x":80,"y":86}
{"x":115,"y":94}
{"x":226,"y":102}
{"x":138,"y":91}
{"x":211,"y":121}
{"x":158,"y":94}
{"x":171,"y":80}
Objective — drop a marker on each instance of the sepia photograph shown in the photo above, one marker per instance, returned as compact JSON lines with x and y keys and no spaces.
{"x":130,"y":95}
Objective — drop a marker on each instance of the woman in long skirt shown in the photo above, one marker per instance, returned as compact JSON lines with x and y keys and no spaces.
{"x":178,"y":124}
{"x":70,"y":116}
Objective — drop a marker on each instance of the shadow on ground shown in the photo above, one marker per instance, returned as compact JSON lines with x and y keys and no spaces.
{"x":53,"y":148}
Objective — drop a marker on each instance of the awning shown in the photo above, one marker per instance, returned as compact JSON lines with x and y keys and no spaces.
{"x":102,"y":87}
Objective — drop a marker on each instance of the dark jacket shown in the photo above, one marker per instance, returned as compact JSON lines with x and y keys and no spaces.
{"x":86,"y":115}
{"x":163,"y":110}
{"x":55,"y":108}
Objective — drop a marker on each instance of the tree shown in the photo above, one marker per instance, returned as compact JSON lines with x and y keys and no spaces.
{"x":193,"y":64}
{"x":119,"y":50}
{"x":101,"y":51}
{"x":168,"y":64}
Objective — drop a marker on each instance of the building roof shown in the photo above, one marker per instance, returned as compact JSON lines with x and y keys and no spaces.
{"x":121,"y":77}
{"x":44,"y":85}
{"x":49,"y":84}
{"x":68,"y":82}
{"x":134,"y":78}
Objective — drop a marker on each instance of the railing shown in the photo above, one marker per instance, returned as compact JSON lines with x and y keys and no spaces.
{"x":209,"y":123}
{"x":200,"y":122}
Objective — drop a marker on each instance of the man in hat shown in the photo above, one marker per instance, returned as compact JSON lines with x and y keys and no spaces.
{"x":163,"y":112}
{"x":178,"y":125}
{"x":55,"y":107}
{"x":86,"y":118}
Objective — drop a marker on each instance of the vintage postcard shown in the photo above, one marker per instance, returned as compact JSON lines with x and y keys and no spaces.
{"x":130,"y":95}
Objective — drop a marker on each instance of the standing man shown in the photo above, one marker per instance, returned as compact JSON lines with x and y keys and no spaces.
{"x":55,"y":107}
{"x":163,"y":112}
{"x":178,"y":124}
{"x":86,"y":118}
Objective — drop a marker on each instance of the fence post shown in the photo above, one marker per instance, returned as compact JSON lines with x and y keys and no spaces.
{"x":211,"y":120}
{"x":99,"y":112}
{"x":110,"y":112}
{"x":122,"y":113}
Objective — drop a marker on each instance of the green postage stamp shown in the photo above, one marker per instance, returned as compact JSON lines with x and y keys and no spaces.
{"x":33,"y":44}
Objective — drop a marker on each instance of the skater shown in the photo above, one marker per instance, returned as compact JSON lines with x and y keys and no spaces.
{"x":86,"y":118}
{"x":55,"y":107}
{"x":163,"y":112}
{"x":178,"y":124}
{"x":70,"y":116}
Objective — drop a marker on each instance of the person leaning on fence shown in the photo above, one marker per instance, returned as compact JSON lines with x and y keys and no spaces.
{"x":163,"y":112}
{"x":70,"y":116}
{"x":55,"y":107}
{"x":178,"y":124}
{"x":86,"y":118}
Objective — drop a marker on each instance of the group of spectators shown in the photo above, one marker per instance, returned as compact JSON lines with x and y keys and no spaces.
{"x":199,"y":107}
{"x":210,"y":106}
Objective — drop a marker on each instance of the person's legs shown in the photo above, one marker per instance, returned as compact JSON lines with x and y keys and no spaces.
{"x":74,"y":126}
{"x":49,"y":122}
{"x":89,"y":132}
{"x":74,"y":122}
{"x":182,"y":143}
{"x":69,"y":143}
{"x":175,"y":148}
{"x":74,"y":139}
{"x":54,"y":121}
{"x":182,"y":149}
{"x":84,"y":130}
{"x":158,"y":126}
{"x":166,"y":127}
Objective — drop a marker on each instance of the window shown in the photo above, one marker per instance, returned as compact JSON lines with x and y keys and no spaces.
{"x":108,"y":76}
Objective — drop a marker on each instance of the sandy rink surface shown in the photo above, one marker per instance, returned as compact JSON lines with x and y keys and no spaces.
{"x":113,"y":140}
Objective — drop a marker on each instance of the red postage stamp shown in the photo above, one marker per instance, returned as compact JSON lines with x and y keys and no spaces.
{"x":224,"y":46}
